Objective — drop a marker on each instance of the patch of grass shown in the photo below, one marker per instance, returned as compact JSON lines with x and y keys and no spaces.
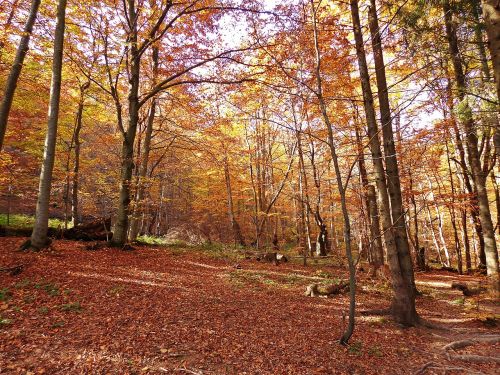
{"x":375,"y":351}
{"x":50,"y":288}
{"x":27,"y":221}
{"x":43,"y":310}
{"x":116,"y":290}
{"x":355,"y":348}
{"x":5,"y":294}
{"x":22,"y":284}
{"x":57,"y":324}
{"x":459,"y":301}
{"x":151,"y":240}
{"x":5,"y":321}
{"x":219,"y":250}
{"x":294,"y":278}
{"x":323,"y":274}
{"x":72,"y":306}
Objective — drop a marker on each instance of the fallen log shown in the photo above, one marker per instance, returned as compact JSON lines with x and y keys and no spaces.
{"x":96,"y":230}
{"x":317,"y":290}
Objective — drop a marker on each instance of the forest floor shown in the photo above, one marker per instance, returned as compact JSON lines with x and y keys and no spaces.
{"x":181,"y":311}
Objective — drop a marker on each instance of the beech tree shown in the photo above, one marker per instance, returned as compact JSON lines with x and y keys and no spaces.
{"x":16,"y":69}
{"x":39,"y":236}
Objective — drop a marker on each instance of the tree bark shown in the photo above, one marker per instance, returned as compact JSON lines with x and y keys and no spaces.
{"x":76,"y":166}
{"x":237,"y":236}
{"x":342,"y":191}
{"x":127,"y":154}
{"x":403,"y":304}
{"x":491,"y":15}
{"x":15,"y":70}
{"x":39,"y":236}
{"x":391,"y":161}
{"x":469,"y":127}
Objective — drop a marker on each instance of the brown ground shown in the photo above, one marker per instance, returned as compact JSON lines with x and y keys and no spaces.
{"x":157,"y":310}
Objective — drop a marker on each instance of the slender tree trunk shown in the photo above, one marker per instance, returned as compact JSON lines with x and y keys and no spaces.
{"x":491,"y":15}
{"x":403,"y":304}
{"x":72,"y":181}
{"x":127,"y":154}
{"x":15,"y":70}
{"x":490,"y":246}
{"x":458,"y":249}
{"x":39,"y":236}
{"x":237,"y":236}
{"x":340,"y":185}
{"x":465,"y":239}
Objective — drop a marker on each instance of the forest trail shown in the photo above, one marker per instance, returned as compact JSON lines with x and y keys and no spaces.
{"x":160,"y":310}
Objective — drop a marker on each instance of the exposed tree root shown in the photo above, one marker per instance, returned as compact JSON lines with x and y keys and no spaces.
{"x":28,"y":246}
{"x":489,"y":339}
{"x":474,"y":358}
{"x":436,"y":366}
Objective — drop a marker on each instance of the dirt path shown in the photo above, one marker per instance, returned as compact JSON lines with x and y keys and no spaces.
{"x":168,"y":311}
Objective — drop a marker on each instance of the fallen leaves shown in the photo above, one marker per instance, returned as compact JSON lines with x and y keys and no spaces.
{"x":150,"y":312}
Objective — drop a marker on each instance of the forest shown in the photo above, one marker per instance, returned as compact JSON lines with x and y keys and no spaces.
{"x":249,"y":187}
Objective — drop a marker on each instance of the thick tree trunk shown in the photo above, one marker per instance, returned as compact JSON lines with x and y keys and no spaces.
{"x":478,"y":34}
{"x":376,"y":251}
{"x":15,"y":71}
{"x":391,"y":161}
{"x":39,"y":236}
{"x":403,"y":304}
{"x":490,"y":246}
{"x":127,"y":154}
{"x":143,"y":170}
{"x":491,"y":15}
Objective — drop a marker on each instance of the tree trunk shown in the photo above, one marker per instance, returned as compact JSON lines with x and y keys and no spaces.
{"x":342,"y":191}
{"x":491,"y":15}
{"x":465,"y":239}
{"x":376,"y":251}
{"x":39,"y":236}
{"x":127,"y":154}
{"x":468,"y":124}
{"x":237,"y":236}
{"x":403,"y":304}
{"x":76,"y":167}
{"x":391,"y":161}
{"x":15,"y":71}
{"x":478,"y":34}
